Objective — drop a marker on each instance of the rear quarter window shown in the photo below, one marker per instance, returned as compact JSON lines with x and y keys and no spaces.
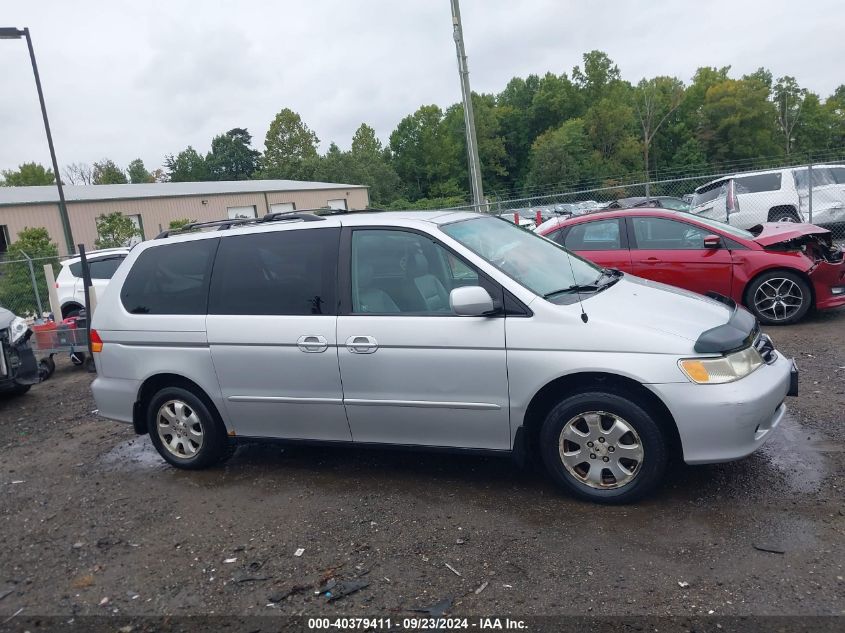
{"x":170,"y":279}
{"x":758,"y":183}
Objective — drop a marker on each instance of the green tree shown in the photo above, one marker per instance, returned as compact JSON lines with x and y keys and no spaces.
{"x":491,"y":143}
{"x":106,"y":172}
{"x":115,"y":229}
{"x":187,"y":166}
{"x":372,"y":166}
{"x":231,"y":156}
{"x":789,"y":99}
{"x":290,"y":147}
{"x":16,"y":292}
{"x":738,"y":122}
{"x":138,"y":173}
{"x":179,"y":223}
{"x":561,"y":155}
{"x":27,"y":175}
{"x":655,"y":100}
{"x":598,"y":76}
{"x":427,"y":156}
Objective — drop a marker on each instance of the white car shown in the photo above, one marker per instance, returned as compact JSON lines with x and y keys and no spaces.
{"x":775,"y":195}
{"x":69,"y":285}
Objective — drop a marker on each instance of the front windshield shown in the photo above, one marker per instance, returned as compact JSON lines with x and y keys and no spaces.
{"x":727,"y":228}
{"x":539,"y":264}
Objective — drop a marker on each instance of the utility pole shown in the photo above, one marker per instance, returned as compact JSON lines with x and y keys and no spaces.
{"x":469,"y":118}
{"x":12,"y":33}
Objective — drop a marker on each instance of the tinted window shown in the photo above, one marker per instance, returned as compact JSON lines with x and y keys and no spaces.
{"x":396,"y":272}
{"x":103,"y":268}
{"x":76,"y":269}
{"x":662,"y":234}
{"x":170,"y":279}
{"x":708,"y":193}
{"x":822,"y":177}
{"x":602,"y":235}
{"x":756,"y":184}
{"x":280,"y":273}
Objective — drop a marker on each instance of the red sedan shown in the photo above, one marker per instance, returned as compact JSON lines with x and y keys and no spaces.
{"x":778,"y":271}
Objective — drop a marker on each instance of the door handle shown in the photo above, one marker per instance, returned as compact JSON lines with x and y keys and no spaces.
{"x":361,"y":344}
{"x":650,"y":260}
{"x":312,"y":343}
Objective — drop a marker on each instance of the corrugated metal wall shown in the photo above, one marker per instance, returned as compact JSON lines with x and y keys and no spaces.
{"x":156,"y":213}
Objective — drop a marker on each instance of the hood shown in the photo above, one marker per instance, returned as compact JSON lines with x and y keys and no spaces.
{"x":663,"y":318}
{"x":773,"y":233}
{"x":6,"y":318}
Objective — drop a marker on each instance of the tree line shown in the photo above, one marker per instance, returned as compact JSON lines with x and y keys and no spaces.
{"x":589,"y":127}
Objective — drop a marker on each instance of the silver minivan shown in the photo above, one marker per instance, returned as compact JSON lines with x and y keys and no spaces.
{"x":428,"y":329}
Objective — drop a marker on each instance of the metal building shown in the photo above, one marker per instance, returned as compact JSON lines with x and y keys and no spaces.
{"x":152,"y":206}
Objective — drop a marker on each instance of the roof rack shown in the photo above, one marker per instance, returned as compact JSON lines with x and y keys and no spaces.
{"x":306,"y":215}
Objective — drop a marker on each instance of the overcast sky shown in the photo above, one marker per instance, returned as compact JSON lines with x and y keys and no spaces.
{"x":144,"y":79}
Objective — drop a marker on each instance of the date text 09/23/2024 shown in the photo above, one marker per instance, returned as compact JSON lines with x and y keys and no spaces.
{"x":417,"y":624}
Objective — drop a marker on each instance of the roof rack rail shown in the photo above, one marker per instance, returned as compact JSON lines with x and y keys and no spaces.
{"x":222,"y":225}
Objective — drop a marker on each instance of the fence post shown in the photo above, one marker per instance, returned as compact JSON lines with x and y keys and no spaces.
{"x":810,"y":192}
{"x":34,"y":284}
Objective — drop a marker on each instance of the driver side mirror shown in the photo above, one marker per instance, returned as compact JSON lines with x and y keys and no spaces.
{"x":471,"y":301}
{"x":712,"y":241}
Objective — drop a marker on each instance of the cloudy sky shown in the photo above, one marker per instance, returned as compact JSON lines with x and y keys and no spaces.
{"x":144,"y":79}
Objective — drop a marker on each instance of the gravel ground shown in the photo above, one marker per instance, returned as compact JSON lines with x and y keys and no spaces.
{"x":93,"y":522}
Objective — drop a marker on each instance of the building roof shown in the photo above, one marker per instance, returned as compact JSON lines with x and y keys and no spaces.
{"x":82,"y":193}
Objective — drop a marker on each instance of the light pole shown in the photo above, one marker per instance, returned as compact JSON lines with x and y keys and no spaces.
{"x":469,"y":118}
{"x":13,"y":33}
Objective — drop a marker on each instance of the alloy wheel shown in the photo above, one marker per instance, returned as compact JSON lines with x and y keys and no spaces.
{"x":179,"y":429}
{"x":600,"y":450}
{"x":778,"y":298}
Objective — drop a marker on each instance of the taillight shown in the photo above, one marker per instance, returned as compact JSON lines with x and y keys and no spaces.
{"x":731,"y":201}
{"x":96,"y":342}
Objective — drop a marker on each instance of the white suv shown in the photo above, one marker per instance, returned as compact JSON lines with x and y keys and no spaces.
{"x":776,"y":195}
{"x":69,"y":284}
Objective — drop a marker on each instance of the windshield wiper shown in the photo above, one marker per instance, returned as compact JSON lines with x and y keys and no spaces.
{"x":573,"y":288}
{"x":613,"y":273}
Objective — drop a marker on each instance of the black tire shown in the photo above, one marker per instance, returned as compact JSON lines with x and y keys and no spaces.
{"x":764,"y":314}
{"x":645,"y":476}
{"x":72,"y":312}
{"x":783,"y":214}
{"x":215,"y":446}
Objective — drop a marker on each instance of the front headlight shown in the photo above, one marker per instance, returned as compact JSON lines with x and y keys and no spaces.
{"x":716,"y":371}
{"x":17,"y":329}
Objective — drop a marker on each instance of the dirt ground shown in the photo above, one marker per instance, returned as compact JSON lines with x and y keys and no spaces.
{"x":93,"y":522}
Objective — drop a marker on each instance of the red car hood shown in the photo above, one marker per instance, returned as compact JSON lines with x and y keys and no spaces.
{"x":779,"y":232}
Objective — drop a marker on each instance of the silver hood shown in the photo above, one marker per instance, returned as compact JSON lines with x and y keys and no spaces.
{"x":638,"y":314}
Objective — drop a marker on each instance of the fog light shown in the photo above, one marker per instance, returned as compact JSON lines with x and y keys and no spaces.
{"x":839,"y":290}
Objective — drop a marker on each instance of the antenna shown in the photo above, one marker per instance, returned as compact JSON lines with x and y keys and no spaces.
{"x":584,"y":316}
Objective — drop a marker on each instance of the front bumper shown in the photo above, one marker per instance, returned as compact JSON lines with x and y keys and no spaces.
{"x":828,"y":280}
{"x":17,"y":365}
{"x":720,"y":423}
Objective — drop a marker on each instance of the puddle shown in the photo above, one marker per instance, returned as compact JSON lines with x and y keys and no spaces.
{"x":136,"y":454}
{"x":798,"y":454}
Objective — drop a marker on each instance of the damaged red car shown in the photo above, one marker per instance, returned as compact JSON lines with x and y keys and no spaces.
{"x":779,"y":271}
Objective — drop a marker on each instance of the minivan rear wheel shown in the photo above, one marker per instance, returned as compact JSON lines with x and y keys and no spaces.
{"x":184,"y":430}
{"x":603,"y":447}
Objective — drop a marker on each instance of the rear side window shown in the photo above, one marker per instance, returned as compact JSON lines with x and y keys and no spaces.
{"x":279,"y":273}
{"x":170,"y":279}
{"x":758,"y":183}
{"x":602,"y":235}
{"x":708,"y":193}
{"x":103,"y":268}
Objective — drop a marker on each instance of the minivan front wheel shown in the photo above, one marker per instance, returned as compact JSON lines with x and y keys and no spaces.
{"x":184,"y":430}
{"x":603,"y":447}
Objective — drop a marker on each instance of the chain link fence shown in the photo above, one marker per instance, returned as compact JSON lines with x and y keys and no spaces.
{"x":23,"y":285}
{"x":812,"y":193}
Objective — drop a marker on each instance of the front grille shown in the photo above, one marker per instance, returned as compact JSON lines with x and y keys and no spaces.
{"x":764,"y":346}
